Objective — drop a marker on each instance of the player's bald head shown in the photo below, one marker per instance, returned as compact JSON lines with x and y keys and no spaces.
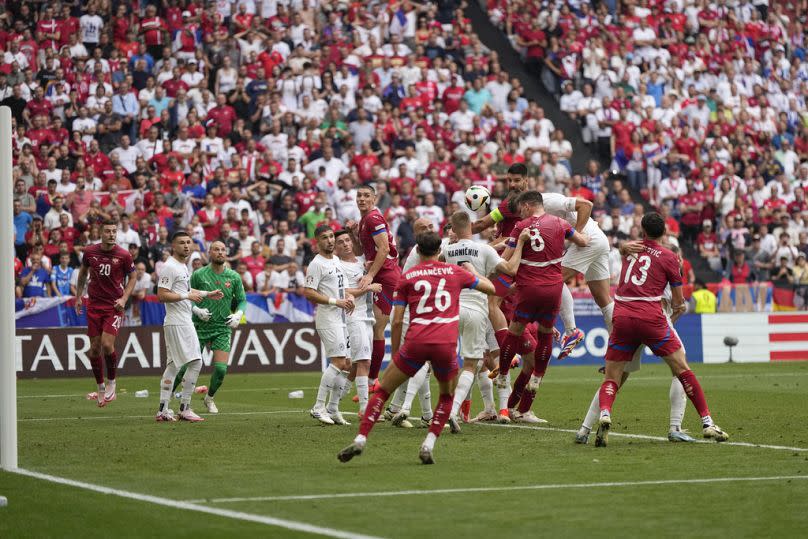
{"x":423,"y":225}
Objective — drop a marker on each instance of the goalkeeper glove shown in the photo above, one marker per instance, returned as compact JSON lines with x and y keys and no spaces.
{"x":202,"y":314}
{"x":234,"y":319}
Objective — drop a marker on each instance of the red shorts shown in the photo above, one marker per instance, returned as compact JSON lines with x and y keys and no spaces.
{"x":502,"y":285}
{"x":388,"y":278}
{"x":628,"y":334}
{"x":412,"y":356}
{"x":102,"y":319}
{"x":538,"y":304}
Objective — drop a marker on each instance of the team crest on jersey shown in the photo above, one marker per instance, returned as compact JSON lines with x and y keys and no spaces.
{"x":227,"y":284}
{"x":115,"y":261}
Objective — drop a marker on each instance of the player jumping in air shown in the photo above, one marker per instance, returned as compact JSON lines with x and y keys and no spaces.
{"x":430,"y":291}
{"x":372,"y":239}
{"x":326,"y":287}
{"x":107,"y":265}
{"x":182,"y":345}
{"x":639,"y":319}
{"x":539,"y":282}
{"x":213,"y":320}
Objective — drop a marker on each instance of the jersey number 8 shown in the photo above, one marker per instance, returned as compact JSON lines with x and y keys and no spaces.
{"x":536,"y":241}
{"x":442,"y":297}
{"x":645,"y":263}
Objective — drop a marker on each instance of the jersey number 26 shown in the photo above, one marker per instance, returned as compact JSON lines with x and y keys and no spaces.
{"x":442,"y":297}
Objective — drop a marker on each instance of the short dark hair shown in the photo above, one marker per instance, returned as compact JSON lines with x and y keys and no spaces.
{"x":428,"y":243}
{"x":322,"y":229}
{"x":533,"y":198}
{"x":518,"y":168}
{"x":108,"y":222}
{"x":337,"y":234}
{"x":367,"y":187}
{"x":654,"y":225}
{"x":179,"y":234}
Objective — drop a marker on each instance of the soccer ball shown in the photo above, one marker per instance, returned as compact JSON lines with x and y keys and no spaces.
{"x":477,"y":197}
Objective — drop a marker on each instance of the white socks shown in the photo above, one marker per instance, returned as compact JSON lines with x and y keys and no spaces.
{"x":326,"y":385}
{"x":337,"y":391}
{"x":567,"y":313}
{"x":607,"y":316}
{"x":593,"y":413}
{"x":362,"y":392}
{"x":487,"y":390}
{"x":504,"y":393}
{"x":166,"y":383}
{"x":429,"y":442}
{"x":678,"y":404}
{"x":414,"y":387}
{"x":398,"y":398}
{"x":425,"y":396}
{"x":464,"y":384}
{"x":189,"y":382}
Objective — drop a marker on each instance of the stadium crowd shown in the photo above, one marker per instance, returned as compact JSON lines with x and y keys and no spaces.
{"x":253,"y":122}
{"x":699,"y":105}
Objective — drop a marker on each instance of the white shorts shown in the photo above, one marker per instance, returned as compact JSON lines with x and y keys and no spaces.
{"x":592,"y":260}
{"x":182,"y":345}
{"x":335,"y":341}
{"x":635,"y":363}
{"x":472,"y":328}
{"x":360,"y":339}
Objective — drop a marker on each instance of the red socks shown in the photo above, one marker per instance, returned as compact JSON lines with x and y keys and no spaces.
{"x":507,"y":351}
{"x":606,"y":395}
{"x":112,"y":364}
{"x":694,"y":392}
{"x":518,"y":387}
{"x":544,"y":350}
{"x":98,"y":369}
{"x":442,"y":411}
{"x":528,"y":345}
{"x":500,"y":336}
{"x":526,"y":402}
{"x":376,"y":358}
{"x":374,"y":410}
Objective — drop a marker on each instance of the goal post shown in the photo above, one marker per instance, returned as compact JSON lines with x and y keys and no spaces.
{"x":8,"y":363}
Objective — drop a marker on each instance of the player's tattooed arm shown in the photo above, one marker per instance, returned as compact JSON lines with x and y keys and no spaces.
{"x":395,"y":329}
{"x":486,"y":222}
{"x":120,"y":303}
{"x":80,"y":286}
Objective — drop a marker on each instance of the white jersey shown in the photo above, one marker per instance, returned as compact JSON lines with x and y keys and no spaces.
{"x":325,"y":275}
{"x":564,"y":208}
{"x":363,"y":309}
{"x":484,"y":259}
{"x":174,"y":276}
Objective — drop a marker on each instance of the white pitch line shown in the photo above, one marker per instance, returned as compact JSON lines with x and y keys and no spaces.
{"x":649,"y":437}
{"x":108,"y":417}
{"x":556,"y":486}
{"x":189,"y":506}
{"x":120,"y":394}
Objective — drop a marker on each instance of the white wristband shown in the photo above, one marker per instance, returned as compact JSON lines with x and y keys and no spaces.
{"x":332,"y":301}
{"x":204,"y":293}
{"x":184,"y":295}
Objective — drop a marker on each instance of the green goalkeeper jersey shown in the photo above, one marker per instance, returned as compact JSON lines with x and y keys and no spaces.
{"x":234,"y":298}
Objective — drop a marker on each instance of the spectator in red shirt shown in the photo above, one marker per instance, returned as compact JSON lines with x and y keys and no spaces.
{"x":578,"y":190}
{"x":740,"y":272}
{"x":690,"y":209}
{"x":255,"y":261}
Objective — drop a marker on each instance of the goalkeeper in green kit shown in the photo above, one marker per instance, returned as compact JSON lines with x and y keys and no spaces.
{"x":213,"y":320}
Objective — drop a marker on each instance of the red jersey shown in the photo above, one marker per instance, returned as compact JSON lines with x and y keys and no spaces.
{"x":504,"y":218}
{"x":431,"y":292}
{"x":108,"y":270}
{"x":152,"y":29}
{"x":643,"y":279}
{"x":369,"y":226}
{"x":541,"y":257}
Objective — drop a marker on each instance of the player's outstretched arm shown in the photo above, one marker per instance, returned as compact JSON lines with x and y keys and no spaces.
{"x":396,"y":327}
{"x":631,"y":248}
{"x":373,"y":287}
{"x":510,"y":264}
{"x":486,"y":222}
{"x":353,"y":230}
{"x":583,"y":207}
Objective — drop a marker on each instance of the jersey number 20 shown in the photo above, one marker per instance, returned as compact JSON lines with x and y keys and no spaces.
{"x":442,"y":297}
{"x":645,"y":263}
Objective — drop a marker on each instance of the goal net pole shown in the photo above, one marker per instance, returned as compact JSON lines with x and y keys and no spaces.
{"x":8,"y":363}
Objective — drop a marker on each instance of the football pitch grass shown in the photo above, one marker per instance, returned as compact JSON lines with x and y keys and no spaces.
{"x":266,"y":469}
